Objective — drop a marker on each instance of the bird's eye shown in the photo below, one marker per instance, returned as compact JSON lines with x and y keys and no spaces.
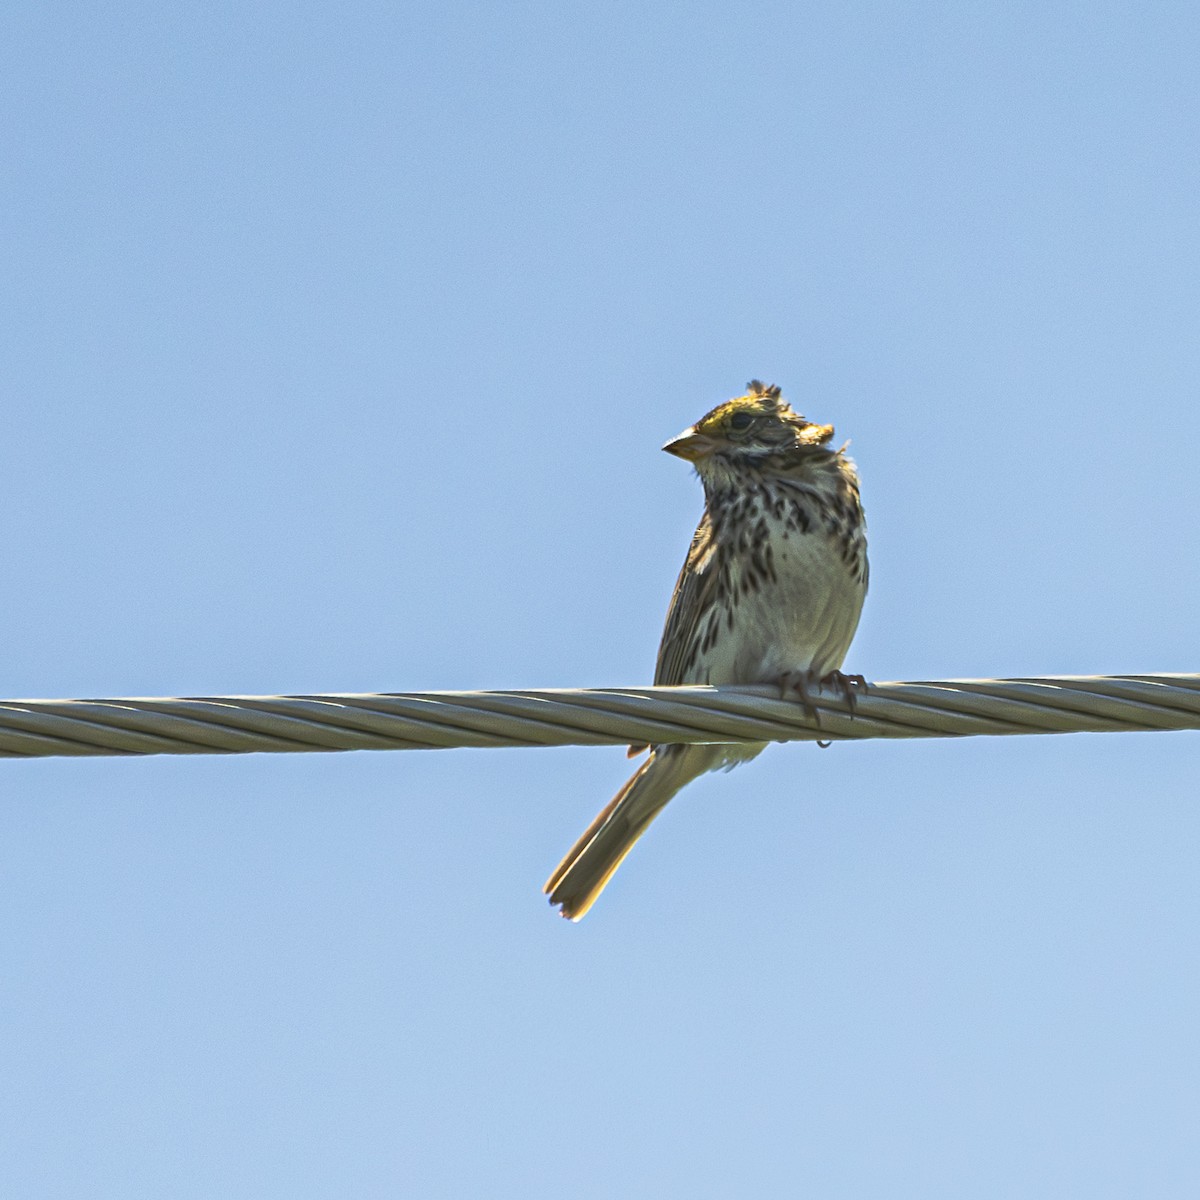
{"x":741,"y":420}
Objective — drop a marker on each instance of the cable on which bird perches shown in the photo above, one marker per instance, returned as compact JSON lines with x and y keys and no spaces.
{"x":594,"y":717}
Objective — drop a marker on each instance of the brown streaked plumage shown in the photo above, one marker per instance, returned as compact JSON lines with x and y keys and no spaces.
{"x":770,"y":592}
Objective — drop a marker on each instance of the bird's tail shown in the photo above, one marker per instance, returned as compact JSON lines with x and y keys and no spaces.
{"x":591,"y":862}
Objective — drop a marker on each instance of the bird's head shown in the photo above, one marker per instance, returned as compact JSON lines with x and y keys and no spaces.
{"x":749,"y":430}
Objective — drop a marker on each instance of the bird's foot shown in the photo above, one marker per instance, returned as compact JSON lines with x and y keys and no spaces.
{"x":848,"y":685}
{"x":805,"y":687}
{"x":801,"y":685}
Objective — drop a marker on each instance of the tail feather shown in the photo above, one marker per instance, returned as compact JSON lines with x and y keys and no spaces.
{"x":589,"y":865}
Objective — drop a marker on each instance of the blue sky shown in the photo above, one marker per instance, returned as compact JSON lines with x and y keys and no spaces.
{"x":338,"y":346}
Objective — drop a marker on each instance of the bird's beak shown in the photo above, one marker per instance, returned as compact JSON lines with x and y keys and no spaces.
{"x":691,"y":445}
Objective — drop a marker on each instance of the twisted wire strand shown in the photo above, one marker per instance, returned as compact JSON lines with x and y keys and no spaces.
{"x":594,"y":717}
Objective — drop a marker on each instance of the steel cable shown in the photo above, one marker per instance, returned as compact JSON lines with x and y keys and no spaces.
{"x":594,"y":717}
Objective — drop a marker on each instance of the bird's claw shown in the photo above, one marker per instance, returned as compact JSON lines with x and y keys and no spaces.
{"x":848,"y":685}
{"x":805,"y":687}
{"x":799,"y":685}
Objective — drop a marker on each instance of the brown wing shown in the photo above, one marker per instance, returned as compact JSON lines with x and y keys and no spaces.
{"x":694,"y":589}
{"x":691,"y":600}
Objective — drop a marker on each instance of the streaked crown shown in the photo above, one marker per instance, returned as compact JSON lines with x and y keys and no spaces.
{"x":761,"y":419}
{"x":760,"y":423}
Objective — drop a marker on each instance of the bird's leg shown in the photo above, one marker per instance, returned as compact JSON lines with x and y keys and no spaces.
{"x":848,"y":685}
{"x":799,"y":685}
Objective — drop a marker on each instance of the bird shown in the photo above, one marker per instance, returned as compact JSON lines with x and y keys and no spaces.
{"x":770,"y":593}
